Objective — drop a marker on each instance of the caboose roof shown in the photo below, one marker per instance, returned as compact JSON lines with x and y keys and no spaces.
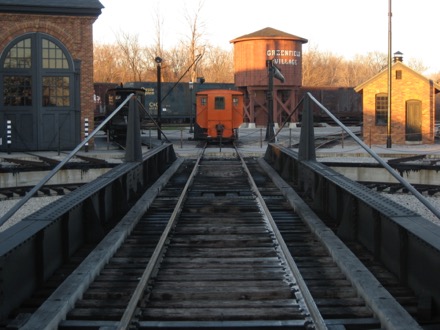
{"x":219,"y":91}
{"x":52,"y":7}
{"x":269,"y":33}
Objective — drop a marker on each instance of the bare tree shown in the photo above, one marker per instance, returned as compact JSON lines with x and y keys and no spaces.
{"x":325,"y":69}
{"x":195,"y":44}
{"x":157,"y":48}
{"x":107,"y":64}
{"x":133,"y":56}
{"x":363,"y":67}
{"x":417,"y":65}
{"x":321,"y":68}
{"x":194,"y":56}
{"x":217,"y":65}
{"x":176,"y":63}
{"x":435,"y":77}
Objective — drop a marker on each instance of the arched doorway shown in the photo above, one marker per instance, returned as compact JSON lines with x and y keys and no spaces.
{"x":39,"y":90}
{"x":413,"y":131}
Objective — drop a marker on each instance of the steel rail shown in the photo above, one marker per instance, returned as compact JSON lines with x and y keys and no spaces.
{"x":314,"y":318}
{"x":54,"y":310}
{"x":43,"y":181}
{"x":384,"y":306}
{"x":158,"y":252}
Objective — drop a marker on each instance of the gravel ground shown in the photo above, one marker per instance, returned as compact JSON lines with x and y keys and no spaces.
{"x":30,"y":207}
{"x":415,"y":205}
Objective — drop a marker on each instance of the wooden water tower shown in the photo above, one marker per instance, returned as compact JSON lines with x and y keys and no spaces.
{"x":251,"y":54}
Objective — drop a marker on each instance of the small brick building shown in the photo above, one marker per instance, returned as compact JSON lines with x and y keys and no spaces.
{"x":46,"y":72}
{"x":412,"y":106}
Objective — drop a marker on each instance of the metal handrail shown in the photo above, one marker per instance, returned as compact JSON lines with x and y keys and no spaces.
{"x":38,"y":186}
{"x":405,"y":183}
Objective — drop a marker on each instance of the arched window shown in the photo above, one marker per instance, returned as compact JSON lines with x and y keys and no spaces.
{"x":17,"y":80}
{"x":53,"y":56}
{"x":19,"y":56}
{"x":29,"y":56}
{"x":37,"y":90}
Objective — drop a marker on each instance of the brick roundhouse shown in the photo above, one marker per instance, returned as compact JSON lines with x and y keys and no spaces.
{"x":46,"y":72}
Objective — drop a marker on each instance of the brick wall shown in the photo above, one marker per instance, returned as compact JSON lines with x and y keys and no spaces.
{"x":74,"y":32}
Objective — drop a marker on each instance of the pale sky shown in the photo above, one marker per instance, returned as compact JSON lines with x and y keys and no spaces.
{"x":342,"y":27}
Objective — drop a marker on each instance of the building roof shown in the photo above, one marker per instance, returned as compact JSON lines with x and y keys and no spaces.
{"x":269,"y":33}
{"x":52,"y":7}
{"x":397,"y":65}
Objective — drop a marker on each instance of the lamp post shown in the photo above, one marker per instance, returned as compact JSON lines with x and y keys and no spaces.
{"x":274,"y":72}
{"x":158,"y":60}
{"x":191,"y":87}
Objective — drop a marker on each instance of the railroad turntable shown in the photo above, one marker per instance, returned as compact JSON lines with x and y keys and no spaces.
{"x":221,"y":240}
{"x":215,"y":243}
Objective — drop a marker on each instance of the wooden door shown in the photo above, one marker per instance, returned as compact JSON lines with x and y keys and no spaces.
{"x":413,"y":131}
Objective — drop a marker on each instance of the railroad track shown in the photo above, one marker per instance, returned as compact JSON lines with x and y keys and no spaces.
{"x":328,"y":141}
{"x":396,"y":187}
{"x":335,"y":291}
{"x":8,"y":193}
{"x":34,"y":162}
{"x":218,"y":261}
{"x":219,"y":246}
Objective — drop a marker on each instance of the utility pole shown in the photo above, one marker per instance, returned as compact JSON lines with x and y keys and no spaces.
{"x":389,"y":143}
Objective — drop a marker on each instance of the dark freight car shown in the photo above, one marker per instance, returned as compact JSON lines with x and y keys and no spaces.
{"x":178,"y":100}
{"x":343,"y":102}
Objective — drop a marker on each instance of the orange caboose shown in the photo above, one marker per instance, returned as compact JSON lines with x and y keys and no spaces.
{"x":219,"y":112}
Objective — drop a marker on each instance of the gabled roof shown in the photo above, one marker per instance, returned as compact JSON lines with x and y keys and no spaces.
{"x":52,"y":7}
{"x":269,"y":33}
{"x":397,"y":65}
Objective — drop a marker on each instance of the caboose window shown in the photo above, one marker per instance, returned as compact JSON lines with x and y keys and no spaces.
{"x":219,"y":103}
{"x":235,"y":101}
{"x":203,"y":101}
